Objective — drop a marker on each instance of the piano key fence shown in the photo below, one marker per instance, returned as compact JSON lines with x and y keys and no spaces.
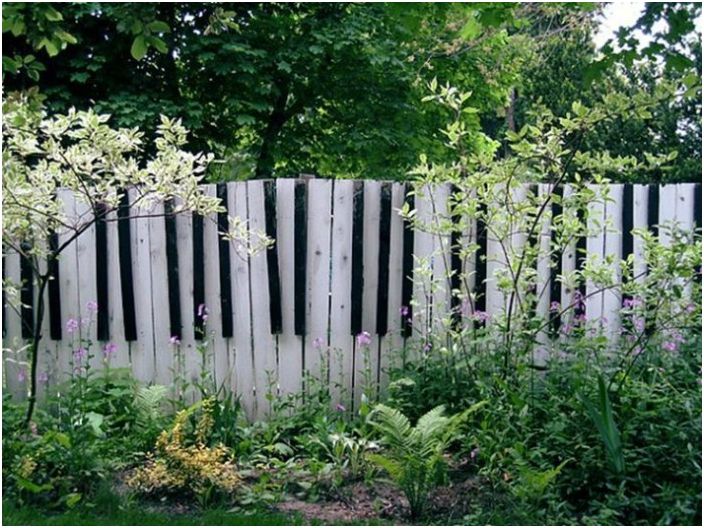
{"x":351,"y":279}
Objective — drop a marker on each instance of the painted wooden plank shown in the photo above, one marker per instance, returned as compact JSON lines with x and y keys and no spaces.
{"x":68,"y":288}
{"x":184,"y":346}
{"x":46,"y":360}
{"x":243,"y":379}
{"x":15,"y":367}
{"x":442,"y":284}
{"x":341,"y":340}
{"x":101,"y":277}
{"x":408,"y":263}
{"x":367,"y":356}
{"x":391,"y":344}
{"x":516,"y":240}
{"x":54,"y":294}
{"x":87,"y":291}
{"x":542,"y":290}
{"x":640,"y":221}
{"x":142,"y":350}
{"x":423,"y":249}
{"x":290,"y":344}
{"x":225,"y":284}
{"x":613,"y":237}
{"x":595,"y":251}
{"x":118,"y":353}
{"x":667,"y":214}
{"x":264,"y":344}
{"x":495,"y":253}
{"x":316,"y":353}
{"x":217,"y":344}
{"x":684,"y":216}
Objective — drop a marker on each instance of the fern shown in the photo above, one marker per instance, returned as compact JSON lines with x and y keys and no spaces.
{"x":414,"y":456}
{"x":147,"y":403}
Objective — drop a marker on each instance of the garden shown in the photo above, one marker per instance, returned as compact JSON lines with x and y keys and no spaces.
{"x":299,"y":264}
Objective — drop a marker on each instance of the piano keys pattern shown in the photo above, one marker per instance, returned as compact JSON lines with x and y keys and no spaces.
{"x":344,"y":263}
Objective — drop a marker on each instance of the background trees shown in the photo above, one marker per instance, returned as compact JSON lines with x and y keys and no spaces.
{"x":336,"y":89}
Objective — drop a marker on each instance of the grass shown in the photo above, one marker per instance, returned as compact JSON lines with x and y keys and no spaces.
{"x":14,"y":515}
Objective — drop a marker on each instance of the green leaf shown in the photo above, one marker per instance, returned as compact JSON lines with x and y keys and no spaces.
{"x":139,"y":47}
{"x":158,"y":44}
{"x":472,"y":29}
{"x":157,"y":26}
{"x":72,"y":499}
{"x":52,"y":14}
{"x":31,"y":486}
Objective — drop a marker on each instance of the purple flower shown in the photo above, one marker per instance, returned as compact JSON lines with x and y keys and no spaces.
{"x":92,"y":306}
{"x":481,"y":316}
{"x":555,"y":306}
{"x":403,"y":311}
{"x":427,"y":347}
{"x":318,"y":343}
{"x":79,"y":355}
{"x":71,"y":325}
{"x":364,"y":339}
{"x":690,"y":308}
{"x":22,"y":375}
{"x":174,"y":340}
{"x":109,"y":350}
{"x":670,"y":346}
{"x":203,"y":312}
{"x":340,"y":408}
{"x":43,"y":377}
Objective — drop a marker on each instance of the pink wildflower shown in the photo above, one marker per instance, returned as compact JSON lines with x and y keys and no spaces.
{"x":364,"y":339}
{"x":71,"y":325}
{"x":174,"y":340}
{"x":92,"y":306}
{"x":109,"y":350}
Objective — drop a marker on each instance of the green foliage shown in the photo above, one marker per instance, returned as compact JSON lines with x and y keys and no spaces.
{"x":414,"y":456}
{"x":603,"y":418}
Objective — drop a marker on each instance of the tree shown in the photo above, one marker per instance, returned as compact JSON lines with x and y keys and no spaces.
{"x":81,"y":153}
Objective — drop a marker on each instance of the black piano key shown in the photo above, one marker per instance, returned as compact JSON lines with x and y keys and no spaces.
{"x":272,"y":259}
{"x":532,"y":242}
{"x":382,"y":299}
{"x":357,"y":258}
{"x":54,"y":292}
{"x":556,"y":263}
{"x":124,"y":237}
{"x":27,"y":297}
{"x":653,"y":207}
{"x":581,"y":258}
{"x":224,"y":257}
{"x":407,"y":285}
{"x":455,"y":265}
{"x":627,"y":224}
{"x":698,"y":221}
{"x":101,"y":275}
{"x":300,"y":257}
{"x":198,"y":277}
{"x":175,"y":323}
{"x":480,"y":262}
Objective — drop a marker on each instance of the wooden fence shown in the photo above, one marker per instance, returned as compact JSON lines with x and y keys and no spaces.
{"x":343,"y":264}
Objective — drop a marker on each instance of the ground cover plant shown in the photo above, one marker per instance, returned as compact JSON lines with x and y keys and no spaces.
{"x":510,"y":417}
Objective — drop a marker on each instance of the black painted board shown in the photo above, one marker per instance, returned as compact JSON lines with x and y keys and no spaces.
{"x":54,"y":291}
{"x":300,"y":256}
{"x":175,"y":322}
{"x":407,"y":285}
{"x":198,"y":277}
{"x":455,"y":263}
{"x":101,"y":273}
{"x":480,"y":262}
{"x":357,"y":258}
{"x":124,"y":237}
{"x":26,"y":296}
{"x":382,"y":301}
{"x":556,"y":262}
{"x":224,"y":258}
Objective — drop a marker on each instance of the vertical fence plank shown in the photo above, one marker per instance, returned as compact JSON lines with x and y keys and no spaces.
{"x":264,"y":344}
{"x":640,"y":221}
{"x":290,"y":344}
{"x":571,"y":256}
{"x":684,"y":216}
{"x":87,"y":291}
{"x":15,"y":366}
{"x":120,"y":358}
{"x":423,"y":248}
{"x":442,"y":290}
{"x":341,"y":340}
{"x":68,"y":287}
{"x":542,"y":286}
{"x":367,"y":357}
{"x":46,"y":359}
{"x":217,"y":344}
{"x":186,"y":352}
{"x":595,"y":250}
{"x":667,"y":213}
{"x":613,"y":235}
{"x":142,"y":350}
{"x":318,"y":288}
{"x":239,"y":265}
{"x":391,"y":344}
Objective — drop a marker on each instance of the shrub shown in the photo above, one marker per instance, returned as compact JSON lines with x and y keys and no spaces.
{"x":179,"y":467}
